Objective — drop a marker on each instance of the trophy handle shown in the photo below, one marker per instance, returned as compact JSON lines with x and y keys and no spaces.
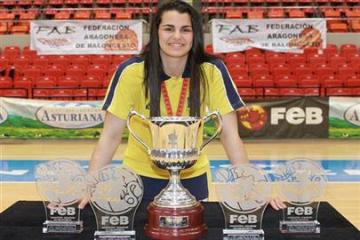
{"x":218,"y":130}
{"x":135,"y":114}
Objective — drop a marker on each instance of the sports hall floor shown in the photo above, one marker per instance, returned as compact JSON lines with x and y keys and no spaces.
{"x":340,"y":158}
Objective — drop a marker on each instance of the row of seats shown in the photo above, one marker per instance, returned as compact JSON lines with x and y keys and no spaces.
{"x":280,"y":2}
{"x":25,"y":4}
{"x":310,"y":72}
{"x":246,"y":93}
{"x":255,"y":93}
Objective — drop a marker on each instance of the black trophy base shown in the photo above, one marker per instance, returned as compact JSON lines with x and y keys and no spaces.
{"x":62,"y":227}
{"x":243,"y":234}
{"x":114,"y":235}
{"x":300,"y":227}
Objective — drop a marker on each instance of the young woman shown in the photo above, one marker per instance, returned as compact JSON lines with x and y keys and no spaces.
{"x":173,"y":76}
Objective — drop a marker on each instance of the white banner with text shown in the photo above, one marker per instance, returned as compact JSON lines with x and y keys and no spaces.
{"x":86,"y":37}
{"x":280,"y":35}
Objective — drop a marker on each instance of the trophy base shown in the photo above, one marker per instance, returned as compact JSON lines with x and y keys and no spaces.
{"x":179,"y":223}
{"x":243,"y":234}
{"x":62,"y":227}
{"x":114,"y":235}
{"x":300,"y":226}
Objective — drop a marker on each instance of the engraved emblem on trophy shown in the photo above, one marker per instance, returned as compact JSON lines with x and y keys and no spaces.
{"x":243,"y":192}
{"x":115,"y":193}
{"x":176,"y":145}
{"x":61,"y":184}
{"x":301,"y":183}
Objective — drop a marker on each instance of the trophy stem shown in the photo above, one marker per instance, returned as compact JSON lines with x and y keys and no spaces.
{"x":174,"y":195}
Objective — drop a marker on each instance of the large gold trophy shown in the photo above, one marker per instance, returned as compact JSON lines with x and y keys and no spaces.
{"x":176,"y":145}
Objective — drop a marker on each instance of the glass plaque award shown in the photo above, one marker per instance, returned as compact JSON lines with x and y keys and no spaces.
{"x":61,"y":184}
{"x":243,"y":192}
{"x":302,"y":183}
{"x":115,"y":193}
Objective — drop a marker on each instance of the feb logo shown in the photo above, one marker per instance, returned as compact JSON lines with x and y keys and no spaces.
{"x":70,"y":115}
{"x":253,"y":117}
{"x":3,"y":115}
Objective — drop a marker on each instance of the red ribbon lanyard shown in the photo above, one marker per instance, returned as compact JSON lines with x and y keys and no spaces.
{"x":182,"y":97}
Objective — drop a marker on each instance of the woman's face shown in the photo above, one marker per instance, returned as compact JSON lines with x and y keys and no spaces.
{"x":175,"y":35}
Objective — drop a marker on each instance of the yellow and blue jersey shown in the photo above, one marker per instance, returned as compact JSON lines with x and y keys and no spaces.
{"x":127,"y":92}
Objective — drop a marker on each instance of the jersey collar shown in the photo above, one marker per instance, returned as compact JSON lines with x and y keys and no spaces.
{"x":186,"y":73}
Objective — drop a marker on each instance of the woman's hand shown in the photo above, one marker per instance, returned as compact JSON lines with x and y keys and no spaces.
{"x":277,"y":204}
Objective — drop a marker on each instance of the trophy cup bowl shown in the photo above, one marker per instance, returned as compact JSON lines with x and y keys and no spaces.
{"x":176,"y":145}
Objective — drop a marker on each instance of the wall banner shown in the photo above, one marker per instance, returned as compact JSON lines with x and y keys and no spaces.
{"x":26,"y":118}
{"x":285,"y":35}
{"x":304,"y":117}
{"x":344,"y":117}
{"x":86,"y":37}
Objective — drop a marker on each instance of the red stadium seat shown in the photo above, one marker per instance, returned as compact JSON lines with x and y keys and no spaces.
{"x":276,"y":13}
{"x":122,"y":14}
{"x":256,"y":68}
{"x":32,"y":72}
{"x":275,"y":59}
{"x":7,"y":15}
{"x":27,"y":52}
{"x":331,"y":81}
{"x":69,"y":81}
{"x":296,"y":13}
{"x":242,"y":81}
{"x":82,"y":14}
{"x":100,"y":59}
{"x":56,"y":3}
{"x":247,"y":93}
{"x":272,"y":92}
{"x":352,"y":81}
{"x":91,"y":82}
{"x":285,"y":81}
{"x":336,"y":60}
{"x":255,"y":13}
{"x":61,"y":94}
{"x":338,"y":27}
{"x":295,"y":59}
{"x":23,"y":82}
{"x":103,"y":3}
{"x":46,"y":82}
{"x":234,"y":14}
{"x":323,"y":71}
{"x":311,"y":91}
{"x":102,"y":14}
{"x":41,"y":93}
{"x":316,"y":59}
{"x":302,"y":70}
{"x":338,"y":92}
{"x":234,"y":58}
{"x":80,"y":94}
{"x":307,"y":80}
{"x":62,"y":15}
{"x":16,"y":93}
{"x":330,"y":50}
{"x":279,"y":70}
{"x":11,"y":52}
{"x":291,"y":91}
{"x":6,"y":82}
{"x":97,"y":93}
{"x":345,"y":71}
{"x":262,"y":81}
{"x":349,"y":49}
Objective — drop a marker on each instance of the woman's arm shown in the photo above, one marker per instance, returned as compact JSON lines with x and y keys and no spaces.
{"x":109,"y":141}
{"x":231,"y":140}
{"x":104,"y":151}
{"x":235,"y":150}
